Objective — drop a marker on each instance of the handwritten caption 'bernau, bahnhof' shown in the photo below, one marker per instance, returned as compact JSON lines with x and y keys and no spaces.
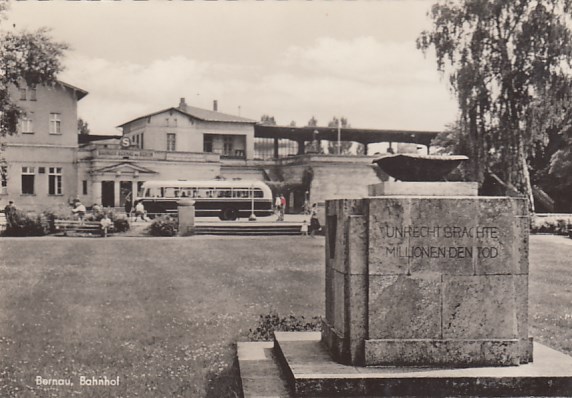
{"x":487,"y":233}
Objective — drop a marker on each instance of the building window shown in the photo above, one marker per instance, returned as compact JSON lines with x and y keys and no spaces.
{"x":28,"y":180}
{"x":208,"y":143}
{"x":171,"y":142}
{"x":55,"y":181}
{"x":26,"y":125}
{"x":84,"y":187}
{"x":23,"y":94}
{"x":142,"y":142}
{"x":55,"y":123}
{"x":33,"y":94}
{"x":3,"y":179}
{"x":227,"y":145}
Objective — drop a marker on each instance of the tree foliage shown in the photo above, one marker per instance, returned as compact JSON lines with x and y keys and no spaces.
{"x":345,"y":146}
{"x":501,"y":56}
{"x":82,"y":127}
{"x":313,"y":122}
{"x":30,"y":58}
{"x":268,"y":120}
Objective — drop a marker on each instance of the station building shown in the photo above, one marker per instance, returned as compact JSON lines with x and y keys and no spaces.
{"x":48,"y":164}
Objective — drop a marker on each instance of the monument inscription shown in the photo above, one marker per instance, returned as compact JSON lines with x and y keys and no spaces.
{"x":444,"y":233}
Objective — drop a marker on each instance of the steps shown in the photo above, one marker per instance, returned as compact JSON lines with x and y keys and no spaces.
{"x":246,"y":228}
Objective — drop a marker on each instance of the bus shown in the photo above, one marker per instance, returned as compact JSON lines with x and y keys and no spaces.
{"x":228,"y":200}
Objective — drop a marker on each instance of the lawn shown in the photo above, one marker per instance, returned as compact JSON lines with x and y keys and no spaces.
{"x":163,"y":314}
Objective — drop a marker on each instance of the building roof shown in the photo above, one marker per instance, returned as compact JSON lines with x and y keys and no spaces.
{"x":87,"y":138}
{"x":198,"y":113}
{"x":364,"y":136}
{"x":212,"y":116}
{"x":78,"y":91}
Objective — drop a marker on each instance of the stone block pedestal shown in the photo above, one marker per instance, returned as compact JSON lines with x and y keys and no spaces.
{"x":427,"y":281}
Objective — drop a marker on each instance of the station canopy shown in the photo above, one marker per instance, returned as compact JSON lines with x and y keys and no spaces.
{"x":364,"y":136}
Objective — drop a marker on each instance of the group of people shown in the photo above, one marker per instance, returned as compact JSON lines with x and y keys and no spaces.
{"x":79,"y":210}
{"x":280,"y":206}
{"x":314,"y":222}
{"x":306,"y":229}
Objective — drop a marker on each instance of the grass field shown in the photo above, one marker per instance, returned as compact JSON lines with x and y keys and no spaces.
{"x":163,"y":314}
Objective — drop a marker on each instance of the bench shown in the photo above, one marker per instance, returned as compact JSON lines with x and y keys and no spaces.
{"x":76,"y":226}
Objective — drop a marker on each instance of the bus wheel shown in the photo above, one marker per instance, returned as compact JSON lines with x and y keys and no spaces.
{"x":229,"y":213}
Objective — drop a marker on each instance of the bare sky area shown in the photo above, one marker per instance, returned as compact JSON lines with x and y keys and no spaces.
{"x":292,"y":60}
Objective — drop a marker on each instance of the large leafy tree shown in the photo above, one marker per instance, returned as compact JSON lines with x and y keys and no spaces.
{"x":26,"y":58}
{"x":501,"y":56}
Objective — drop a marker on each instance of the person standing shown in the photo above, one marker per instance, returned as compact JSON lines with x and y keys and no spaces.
{"x":304,"y":228}
{"x":128,"y":205}
{"x":139,"y":211}
{"x":10,"y":214}
{"x":282,"y":207}
{"x":277,"y":208}
{"x":314,"y":221}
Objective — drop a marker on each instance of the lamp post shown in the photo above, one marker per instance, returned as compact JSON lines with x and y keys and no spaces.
{"x":252,"y":215}
{"x":339,"y":136}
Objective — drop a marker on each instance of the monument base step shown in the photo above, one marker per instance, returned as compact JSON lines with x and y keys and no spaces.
{"x":309,"y":371}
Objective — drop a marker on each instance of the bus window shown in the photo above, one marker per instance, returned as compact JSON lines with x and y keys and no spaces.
{"x":242,"y":193}
{"x":258,"y":193}
{"x":152,"y":192}
{"x":205,"y":192}
{"x":169,"y":192}
{"x":224,"y":193}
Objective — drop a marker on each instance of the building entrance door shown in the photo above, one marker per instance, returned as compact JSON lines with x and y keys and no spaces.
{"x":125,"y":192}
{"x":108,"y":193}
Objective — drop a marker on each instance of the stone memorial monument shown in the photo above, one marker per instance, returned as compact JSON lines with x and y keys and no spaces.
{"x":426,"y":295}
{"x":434,"y":280}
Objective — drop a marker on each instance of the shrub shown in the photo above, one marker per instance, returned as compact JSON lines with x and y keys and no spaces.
{"x":163,"y":226}
{"x":19,"y":223}
{"x":121,"y":224}
{"x":549,"y":225}
{"x":273,"y":322}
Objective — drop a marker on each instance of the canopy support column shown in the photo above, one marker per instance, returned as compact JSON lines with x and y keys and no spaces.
{"x":275,"y":148}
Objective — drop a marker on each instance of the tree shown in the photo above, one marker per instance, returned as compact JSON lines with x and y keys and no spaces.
{"x":292,"y":123}
{"x":82,"y":127}
{"x":500,"y":57}
{"x":268,"y":120}
{"x":314,"y":146}
{"x":31,"y":58}
{"x":345,"y":146}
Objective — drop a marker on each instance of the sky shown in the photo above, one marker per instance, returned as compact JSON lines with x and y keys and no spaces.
{"x":291,"y":60}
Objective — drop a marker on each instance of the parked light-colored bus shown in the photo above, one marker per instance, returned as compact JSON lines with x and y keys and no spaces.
{"x":228,"y":200}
